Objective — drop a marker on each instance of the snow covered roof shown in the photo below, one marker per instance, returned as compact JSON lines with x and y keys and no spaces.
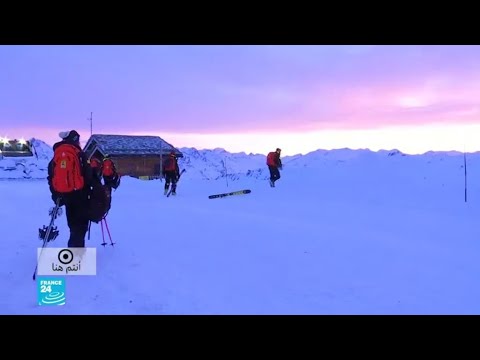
{"x":115,"y":145}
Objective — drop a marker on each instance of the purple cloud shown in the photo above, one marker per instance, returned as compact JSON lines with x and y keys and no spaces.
{"x":229,"y":89}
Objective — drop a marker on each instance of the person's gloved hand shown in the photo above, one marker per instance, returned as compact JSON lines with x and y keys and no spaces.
{"x":55,"y":197}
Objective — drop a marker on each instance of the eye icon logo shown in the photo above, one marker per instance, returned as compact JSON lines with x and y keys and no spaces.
{"x":66,"y":261}
{"x":65,"y":256}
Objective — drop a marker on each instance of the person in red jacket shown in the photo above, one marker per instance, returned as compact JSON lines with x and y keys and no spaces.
{"x":69,"y":179}
{"x":171,"y":172}
{"x":110,"y":175}
{"x":274,"y":163}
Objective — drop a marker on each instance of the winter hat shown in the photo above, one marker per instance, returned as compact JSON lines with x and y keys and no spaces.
{"x":70,"y":135}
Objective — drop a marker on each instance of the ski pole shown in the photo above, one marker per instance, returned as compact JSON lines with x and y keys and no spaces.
{"x":108,"y":231}
{"x":89,"y":226}
{"x":103,"y":235}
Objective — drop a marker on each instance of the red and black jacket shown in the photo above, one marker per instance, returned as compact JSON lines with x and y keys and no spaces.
{"x":170,"y":165}
{"x":273,"y":159}
{"x":85,"y":166}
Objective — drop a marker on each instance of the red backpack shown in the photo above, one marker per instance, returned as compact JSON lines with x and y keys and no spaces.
{"x":67,"y":170}
{"x":169,"y":164}
{"x":108,"y":168}
{"x":271,"y":161}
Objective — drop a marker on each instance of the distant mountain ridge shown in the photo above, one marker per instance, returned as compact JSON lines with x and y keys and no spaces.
{"x":217,"y":163}
{"x":214,"y":164}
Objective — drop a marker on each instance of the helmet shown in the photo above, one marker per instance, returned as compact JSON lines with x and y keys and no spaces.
{"x":278,"y":150}
{"x":71,"y":135}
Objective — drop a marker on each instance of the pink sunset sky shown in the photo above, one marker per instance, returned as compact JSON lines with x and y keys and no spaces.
{"x":248,"y":98}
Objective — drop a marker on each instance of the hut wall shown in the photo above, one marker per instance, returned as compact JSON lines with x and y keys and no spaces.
{"x":137,"y":165}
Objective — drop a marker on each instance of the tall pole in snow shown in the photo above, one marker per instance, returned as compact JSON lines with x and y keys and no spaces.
{"x":161,"y":162}
{"x":91,"y":123}
{"x":225,"y":167}
{"x":465,"y":167}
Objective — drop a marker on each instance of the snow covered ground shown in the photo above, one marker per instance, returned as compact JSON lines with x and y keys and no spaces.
{"x":342,"y":233}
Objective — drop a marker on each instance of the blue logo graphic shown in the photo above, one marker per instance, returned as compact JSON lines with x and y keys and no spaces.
{"x":51,"y":291}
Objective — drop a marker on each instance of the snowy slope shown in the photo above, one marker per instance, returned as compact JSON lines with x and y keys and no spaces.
{"x":215,"y":164}
{"x":342,"y":233}
{"x":219,"y":164}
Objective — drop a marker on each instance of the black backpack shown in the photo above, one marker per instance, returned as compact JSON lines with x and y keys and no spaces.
{"x":99,"y":201}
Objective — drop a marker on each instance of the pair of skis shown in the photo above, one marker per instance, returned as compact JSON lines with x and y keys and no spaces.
{"x":233,"y":193}
{"x":50,"y":232}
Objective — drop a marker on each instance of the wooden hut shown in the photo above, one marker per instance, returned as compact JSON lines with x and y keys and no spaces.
{"x":136,"y":156}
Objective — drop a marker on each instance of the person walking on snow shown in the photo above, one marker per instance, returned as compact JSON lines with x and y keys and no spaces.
{"x":274,"y":163}
{"x":69,"y":179}
{"x":171,"y":172}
